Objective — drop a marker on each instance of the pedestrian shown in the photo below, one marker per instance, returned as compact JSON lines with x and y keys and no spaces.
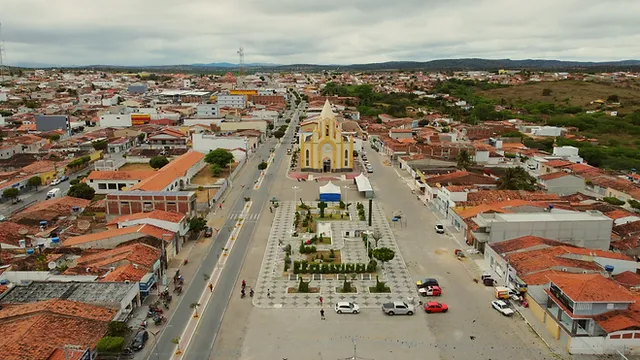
{"x":270,"y":209}
{"x":220,"y":206}
{"x":320,"y":300}
{"x":210,"y":287}
{"x":321,"y":314}
{"x":268,"y":293}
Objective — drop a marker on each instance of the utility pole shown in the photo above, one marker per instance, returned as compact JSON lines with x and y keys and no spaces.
{"x":370,"y":210}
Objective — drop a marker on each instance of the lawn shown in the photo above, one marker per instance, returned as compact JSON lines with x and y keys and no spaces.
{"x":204,"y":176}
{"x":324,"y":255}
{"x":330,"y":216}
{"x":135,"y":167}
{"x":574,"y":93}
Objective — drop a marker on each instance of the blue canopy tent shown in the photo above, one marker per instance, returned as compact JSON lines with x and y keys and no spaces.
{"x":330,"y":192}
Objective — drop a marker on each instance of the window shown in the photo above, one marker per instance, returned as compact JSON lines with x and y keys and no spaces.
{"x":306,"y":156}
{"x":102,"y":186}
{"x":121,"y":186}
{"x":346,"y":158}
{"x":327,"y":130}
{"x":112,"y":186}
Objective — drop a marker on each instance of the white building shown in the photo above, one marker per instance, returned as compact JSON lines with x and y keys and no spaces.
{"x":115,"y":120}
{"x":232,"y":101}
{"x":542,"y":130}
{"x":4,"y":96}
{"x":568,"y":153}
{"x":238,"y":146}
{"x":207,"y":111}
{"x":105,"y":182}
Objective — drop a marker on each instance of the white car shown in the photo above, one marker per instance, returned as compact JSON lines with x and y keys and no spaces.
{"x":345,"y":307}
{"x":502,"y":307}
{"x":439,"y":228}
{"x":56,"y":182}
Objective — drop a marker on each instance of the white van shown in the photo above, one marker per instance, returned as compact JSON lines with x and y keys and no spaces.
{"x":53,"y":193}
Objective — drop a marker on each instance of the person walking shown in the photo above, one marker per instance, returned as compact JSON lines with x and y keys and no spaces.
{"x":322,"y":314}
{"x":210,"y":287}
{"x":321,"y":299}
{"x":268,"y":293}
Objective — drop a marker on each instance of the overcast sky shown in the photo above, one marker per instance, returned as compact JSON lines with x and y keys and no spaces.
{"x":161,"y":32}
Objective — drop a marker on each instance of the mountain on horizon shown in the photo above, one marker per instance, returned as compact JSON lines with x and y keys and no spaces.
{"x":432,"y":65}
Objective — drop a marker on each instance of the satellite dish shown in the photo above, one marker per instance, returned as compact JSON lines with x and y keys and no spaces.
{"x":84,"y":224}
{"x":52,"y":265}
{"x":23,"y":231}
{"x":73,"y":217}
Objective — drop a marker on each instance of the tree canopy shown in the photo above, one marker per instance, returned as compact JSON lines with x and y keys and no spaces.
{"x":158,"y":162}
{"x":81,"y":191}
{"x":221,"y":157}
{"x":517,"y":178}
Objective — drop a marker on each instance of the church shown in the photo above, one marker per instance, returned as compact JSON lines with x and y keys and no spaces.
{"x":326,"y":149}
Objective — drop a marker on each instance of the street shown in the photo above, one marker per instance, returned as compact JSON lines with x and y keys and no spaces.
{"x":202,"y":342}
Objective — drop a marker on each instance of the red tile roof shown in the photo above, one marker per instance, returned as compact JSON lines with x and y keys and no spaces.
{"x":591,"y":288}
{"x":170,"y":172}
{"x":11,"y":232}
{"x":155,"y":214}
{"x":121,"y":175}
{"x":557,"y":163}
{"x":523,"y":242}
{"x":36,"y":331}
{"x":627,"y":279}
{"x":51,"y":209}
{"x":555,"y":175}
{"x":138,"y":253}
{"x":125,"y":272}
{"x":146,"y":229}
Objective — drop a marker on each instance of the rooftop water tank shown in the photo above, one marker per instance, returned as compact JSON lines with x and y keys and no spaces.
{"x":4,"y":281}
{"x":30,"y":251}
{"x":43,"y":223}
{"x":608,"y":268}
{"x":55,"y":240}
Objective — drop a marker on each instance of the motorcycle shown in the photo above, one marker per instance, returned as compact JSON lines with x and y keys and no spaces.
{"x":242,"y":294}
{"x":251,"y":293}
{"x":166,"y":305}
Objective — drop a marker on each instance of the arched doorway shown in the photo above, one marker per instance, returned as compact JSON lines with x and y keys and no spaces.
{"x":326,"y":165}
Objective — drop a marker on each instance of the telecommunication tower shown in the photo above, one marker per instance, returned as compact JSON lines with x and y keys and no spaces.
{"x":1,"y":55}
{"x":241,"y":60}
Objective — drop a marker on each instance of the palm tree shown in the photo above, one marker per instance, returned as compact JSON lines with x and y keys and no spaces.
{"x":463,"y":160}
{"x":517,"y":178}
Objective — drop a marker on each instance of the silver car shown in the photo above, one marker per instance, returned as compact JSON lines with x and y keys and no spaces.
{"x":345,"y":307}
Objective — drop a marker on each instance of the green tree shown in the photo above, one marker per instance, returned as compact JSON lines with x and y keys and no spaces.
{"x":221,"y":157}
{"x":100,"y":145}
{"x":321,"y":206}
{"x":196,"y":225}
{"x":54,"y":137}
{"x":613,"y":200}
{"x":34,"y":181}
{"x":613,"y":98}
{"x":141,"y":137}
{"x":517,"y":178}
{"x":384,"y":254}
{"x":463,"y":160}
{"x":546,"y":92}
{"x":118,"y":328}
{"x":278,"y":134}
{"x":158,"y":162}
{"x":81,"y":191}
{"x":270,"y":127}
{"x":262,"y":166}
{"x":216,"y":170}
{"x":194,"y":306}
{"x":11,"y":193}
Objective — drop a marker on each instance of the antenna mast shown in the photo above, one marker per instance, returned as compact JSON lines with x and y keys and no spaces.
{"x":241,"y":60}
{"x":1,"y":55}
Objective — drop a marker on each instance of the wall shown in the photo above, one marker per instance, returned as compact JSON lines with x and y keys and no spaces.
{"x":205,"y":143}
{"x":207,"y":110}
{"x":53,"y":122}
{"x":244,"y":125}
{"x":115,"y":120}
{"x":109,"y":243}
{"x":109,"y":186}
{"x":180,"y":228}
{"x":125,"y":203}
{"x":566,"y":185}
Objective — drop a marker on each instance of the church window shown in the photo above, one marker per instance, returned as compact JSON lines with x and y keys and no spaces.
{"x":346,"y":158}
{"x":306,"y":156}
{"x":327,"y":130}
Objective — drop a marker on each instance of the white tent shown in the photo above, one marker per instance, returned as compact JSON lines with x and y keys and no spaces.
{"x":364,"y":186}
{"x":330,"y":192}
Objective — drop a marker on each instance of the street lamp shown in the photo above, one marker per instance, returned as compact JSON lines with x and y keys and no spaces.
{"x":295,"y":194}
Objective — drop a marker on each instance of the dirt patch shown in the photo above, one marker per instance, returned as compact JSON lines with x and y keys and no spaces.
{"x":325,"y":255}
{"x":339,"y":290}
{"x":204,"y":177}
{"x":440,"y":251}
{"x":135,"y":167}
{"x":202,"y":195}
{"x":312,"y":290}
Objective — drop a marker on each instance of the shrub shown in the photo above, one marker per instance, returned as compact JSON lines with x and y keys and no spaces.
{"x":332,"y":254}
{"x":342,"y":205}
{"x":303,"y":286}
{"x":613,"y":200}
{"x":110,"y":344}
{"x":346,"y":287}
{"x":634,"y":204}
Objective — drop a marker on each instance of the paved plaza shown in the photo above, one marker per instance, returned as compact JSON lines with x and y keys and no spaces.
{"x":352,"y":250}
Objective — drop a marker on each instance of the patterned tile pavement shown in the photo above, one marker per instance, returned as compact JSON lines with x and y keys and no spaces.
{"x":271,"y":291}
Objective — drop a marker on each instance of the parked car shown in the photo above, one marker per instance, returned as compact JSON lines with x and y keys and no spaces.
{"x":345,"y":307}
{"x":435,"y":307}
{"x":63,"y":178}
{"x":427,"y":282}
{"x":397,"y":308}
{"x":141,"y":339}
{"x":55,"y":182}
{"x":370,"y":170}
{"x":208,"y":232}
{"x":439,"y":228}
{"x":502,"y":307}
{"x":430,"y":291}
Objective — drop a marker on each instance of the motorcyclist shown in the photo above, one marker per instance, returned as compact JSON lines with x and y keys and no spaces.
{"x":244,"y":284}
{"x":251,"y":292}
{"x":242,"y":293}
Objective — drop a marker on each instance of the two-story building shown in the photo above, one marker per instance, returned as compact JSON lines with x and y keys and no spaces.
{"x":109,"y":181}
{"x":168,"y":138}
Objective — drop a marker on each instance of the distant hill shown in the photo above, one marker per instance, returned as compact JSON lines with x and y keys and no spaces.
{"x":468,"y":64}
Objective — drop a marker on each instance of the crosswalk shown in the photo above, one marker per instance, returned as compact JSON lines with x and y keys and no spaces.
{"x":235,"y":216}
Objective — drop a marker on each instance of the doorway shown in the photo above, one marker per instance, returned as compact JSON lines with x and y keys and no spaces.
{"x":326,"y":165}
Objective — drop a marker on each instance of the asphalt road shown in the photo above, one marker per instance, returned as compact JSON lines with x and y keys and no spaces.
{"x":211,"y":319}
{"x":7,"y":209}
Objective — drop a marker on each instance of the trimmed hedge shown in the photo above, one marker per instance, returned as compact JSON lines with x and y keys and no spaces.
{"x":305,"y":267}
{"x":110,"y":344}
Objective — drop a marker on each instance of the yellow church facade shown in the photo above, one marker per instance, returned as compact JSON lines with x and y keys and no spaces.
{"x":326,"y":149}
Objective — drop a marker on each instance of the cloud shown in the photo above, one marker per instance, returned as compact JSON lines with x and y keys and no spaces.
{"x":157,"y":32}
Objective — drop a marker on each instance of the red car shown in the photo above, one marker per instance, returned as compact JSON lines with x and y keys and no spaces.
{"x":435,"y":307}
